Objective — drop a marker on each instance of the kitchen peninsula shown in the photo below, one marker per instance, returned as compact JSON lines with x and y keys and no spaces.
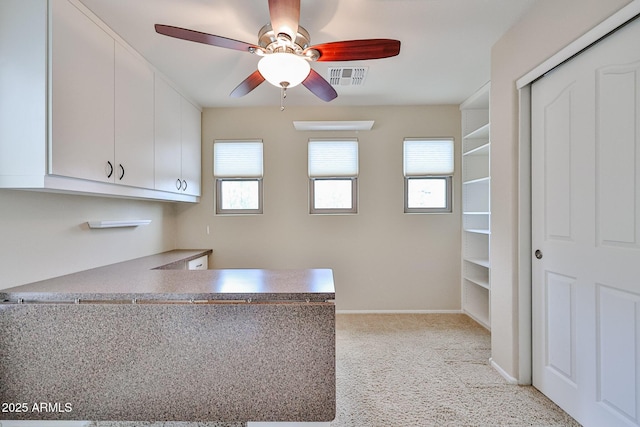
{"x":147,"y":340}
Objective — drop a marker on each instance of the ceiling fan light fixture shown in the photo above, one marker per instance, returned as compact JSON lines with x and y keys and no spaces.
{"x":286,"y":51}
{"x":283,"y":69}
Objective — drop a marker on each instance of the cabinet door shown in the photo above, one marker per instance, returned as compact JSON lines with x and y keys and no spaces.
{"x":23,"y":45}
{"x":82,"y":96}
{"x":201,"y":263}
{"x":191,"y":148}
{"x":168,"y":153}
{"x":134,"y":155}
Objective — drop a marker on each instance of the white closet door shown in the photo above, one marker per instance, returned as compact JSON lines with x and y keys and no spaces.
{"x":586,"y":227}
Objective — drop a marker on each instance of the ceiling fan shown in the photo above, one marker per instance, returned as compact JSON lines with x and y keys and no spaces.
{"x":285,"y":51}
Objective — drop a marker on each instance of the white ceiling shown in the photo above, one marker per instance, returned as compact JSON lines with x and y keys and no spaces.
{"x":444,"y":56}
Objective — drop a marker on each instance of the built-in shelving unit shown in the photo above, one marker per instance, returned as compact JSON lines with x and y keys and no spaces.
{"x":476,"y":206}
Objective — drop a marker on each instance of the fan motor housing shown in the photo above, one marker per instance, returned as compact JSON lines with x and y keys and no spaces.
{"x":268,"y":40}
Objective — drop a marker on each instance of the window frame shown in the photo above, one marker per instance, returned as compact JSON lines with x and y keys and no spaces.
{"x":427,"y":175}
{"x":236,"y":176}
{"x":218,"y":198}
{"x":448,"y":189}
{"x":341,"y":175}
{"x":354,"y":197}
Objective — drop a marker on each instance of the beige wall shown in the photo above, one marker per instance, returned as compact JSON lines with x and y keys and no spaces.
{"x":44,"y":235}
{"x":382,"y":258}
{"x":548,"y":27}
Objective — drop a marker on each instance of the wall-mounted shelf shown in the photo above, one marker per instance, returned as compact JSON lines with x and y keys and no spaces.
{"x":118,"y":224}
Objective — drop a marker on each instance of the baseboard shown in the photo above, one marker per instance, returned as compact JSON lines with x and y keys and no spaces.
{"x":398,"y":311}
{"x":505,"y":375}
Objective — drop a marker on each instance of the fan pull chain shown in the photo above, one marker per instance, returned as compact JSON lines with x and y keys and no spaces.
{"x":283,"y":94}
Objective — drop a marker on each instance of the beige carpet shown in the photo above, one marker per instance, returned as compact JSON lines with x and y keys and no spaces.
{"x":422,"y":370}
{"x":428,"y":370}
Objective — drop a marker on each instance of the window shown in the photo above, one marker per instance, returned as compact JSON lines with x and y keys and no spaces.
{"x":237,"y":168}
{"x":333,"y":176}
{"x":428,"y":171}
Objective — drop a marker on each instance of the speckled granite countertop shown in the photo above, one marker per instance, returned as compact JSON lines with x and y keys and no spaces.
{"x":153,"y":278}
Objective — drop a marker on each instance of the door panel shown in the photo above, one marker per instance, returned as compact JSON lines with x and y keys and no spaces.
{"x":557,"y":155}
{"x":616,"y":346}
{"x":617,"y":145}
{"x":560,"y":325}
{"x":586,"y":224}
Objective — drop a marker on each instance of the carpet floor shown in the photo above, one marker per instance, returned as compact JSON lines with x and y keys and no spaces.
{"x":419,"y":370}
{"x":428,"y":370}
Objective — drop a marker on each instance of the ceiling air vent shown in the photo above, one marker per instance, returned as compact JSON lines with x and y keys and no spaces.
{"x":347,"y":76}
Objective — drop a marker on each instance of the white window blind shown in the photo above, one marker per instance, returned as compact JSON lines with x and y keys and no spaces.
{"x":425,"y":157}
{"x":237,"y":159}
{"x":333,"y":158}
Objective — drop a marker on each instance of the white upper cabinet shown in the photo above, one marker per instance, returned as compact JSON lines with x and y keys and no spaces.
{"x":23,"y":90}
{"x":177,"y":149}
{"x":191,"y":148}
{"x":168,"y":138}
{"x":134,"y":137}
{"x":81,"y":112}
{"x":82,"y":96}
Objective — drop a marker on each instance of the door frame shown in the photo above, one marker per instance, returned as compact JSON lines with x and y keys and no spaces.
{"x":524,"y":261}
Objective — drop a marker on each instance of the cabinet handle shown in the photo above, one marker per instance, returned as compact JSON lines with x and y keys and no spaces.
{"x":178,"y":184}
{"x":122,"y":169}
{"x":184,"y":185}
{"x":109,"y":171}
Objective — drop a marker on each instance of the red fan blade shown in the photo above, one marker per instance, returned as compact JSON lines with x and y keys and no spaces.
{"x":197,"y":36}
{"x":285,"y":16}
{"x":319,"y":86}
{"x":357,"y":50}
{"x":247,"y":85}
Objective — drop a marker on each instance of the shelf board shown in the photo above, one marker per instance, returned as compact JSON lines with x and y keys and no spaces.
{"x":480,"y":283}
{"x":477,"y":213}
{"x":481,"y":132}
{"x":470,"y":144}
{"x":478,"y":230}
{"x":479,"y":100}
{"x":482,"y":150}
{"x":473,"y":181}
{"x":482,"y":319}
{"x":481,"y":262}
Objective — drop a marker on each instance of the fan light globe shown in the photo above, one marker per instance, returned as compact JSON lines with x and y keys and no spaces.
{"x":284,"y":69}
